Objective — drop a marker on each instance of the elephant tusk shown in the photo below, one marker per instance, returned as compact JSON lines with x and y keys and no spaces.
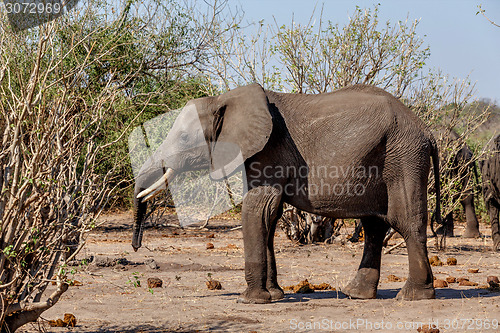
{"x":155,"y":189}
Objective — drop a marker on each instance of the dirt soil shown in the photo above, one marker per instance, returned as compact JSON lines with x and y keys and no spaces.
{"x":111,"y":294}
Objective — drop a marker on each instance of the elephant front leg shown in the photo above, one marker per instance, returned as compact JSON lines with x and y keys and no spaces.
{"x":261,"y":207}
{"x":272,"y":285}
{"x":364,"y":285}
{"x":493,"y":211}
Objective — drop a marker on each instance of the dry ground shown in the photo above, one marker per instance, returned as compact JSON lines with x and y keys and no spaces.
{"x":109,"y":299}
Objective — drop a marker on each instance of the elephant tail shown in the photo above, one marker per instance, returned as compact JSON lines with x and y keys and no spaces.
{"x":437,"y":185}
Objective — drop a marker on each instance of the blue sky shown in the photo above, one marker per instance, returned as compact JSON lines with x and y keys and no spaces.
{"x":461,"y":42}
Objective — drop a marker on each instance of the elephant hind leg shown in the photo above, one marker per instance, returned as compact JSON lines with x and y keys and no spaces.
{"x":420,"y":279}
{"x":407,"y":213}
{"x":493,"y":210}
{"x":364,"y":284}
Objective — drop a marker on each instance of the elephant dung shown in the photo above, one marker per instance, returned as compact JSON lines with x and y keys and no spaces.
{"x":214,"y":285}
{"x":69,"y":319}
{"x":303,"y":287}
{"x":440,"y":283}
{"x":155,"y":283}
{"x":493,"y":282}
{"x":57,"y":323}
{"x":451,"y":279}
{"x":435,"y":261}
{"x":451,"y":261}
{"x":394,"y":278}
{"x":467,"y":283}
{"x":427,"y":329}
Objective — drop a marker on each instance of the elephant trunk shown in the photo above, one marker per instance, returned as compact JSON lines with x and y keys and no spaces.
{"x":142,"y":195}
{"x":140,"y":208}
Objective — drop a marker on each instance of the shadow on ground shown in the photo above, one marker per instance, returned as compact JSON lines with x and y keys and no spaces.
{"x":444,"y":293}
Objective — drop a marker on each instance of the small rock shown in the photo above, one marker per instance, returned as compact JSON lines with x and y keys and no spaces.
{"x":440,"y":284}
{"x":214,"y":284}
{"x":427,"y":329}
{"x":467,"y":283}
{"x":212,"y":235}
{"x":155,"y":283}
{"x":210,"y":246}
{"x":451,"y":279}
{"x":69,"y":320}
{"x":103,"y":261}
{"x":151,"y":263}
{"x":435,"y":261}
{"x":473,"y":270}
{"x":460,"y":279}
{"x":451,"y":261}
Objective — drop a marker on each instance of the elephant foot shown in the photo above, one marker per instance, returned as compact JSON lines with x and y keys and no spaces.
{"x":411,"y":292}
{"x":363,"y":286}
{"x":276,"y":293}
{"x":471,"y":233}
{"x":260,"y":296}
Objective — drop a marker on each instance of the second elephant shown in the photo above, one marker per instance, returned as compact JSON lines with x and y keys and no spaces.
{"x":490,"y":170}
{"x":461,"y":172}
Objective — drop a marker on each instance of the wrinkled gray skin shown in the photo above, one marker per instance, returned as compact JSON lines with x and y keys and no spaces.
{"x":490,"y":170}
{"x":464,"y":167}
{"x":358,"y":126}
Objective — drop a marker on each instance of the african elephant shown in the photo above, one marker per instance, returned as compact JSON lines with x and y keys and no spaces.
{"x":490,"y":170}
{"x":357,"y":152}
{"x":463,"y":167}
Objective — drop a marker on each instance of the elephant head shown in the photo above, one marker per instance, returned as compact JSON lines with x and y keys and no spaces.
{"x":218,"y":133}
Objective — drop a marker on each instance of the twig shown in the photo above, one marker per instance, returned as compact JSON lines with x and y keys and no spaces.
{"x":389,"y":250}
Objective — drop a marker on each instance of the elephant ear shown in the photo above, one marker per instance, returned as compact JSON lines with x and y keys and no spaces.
{"x":241,"y":128}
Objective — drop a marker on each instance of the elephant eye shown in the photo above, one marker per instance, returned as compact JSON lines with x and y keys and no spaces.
{"x":184,"y":137}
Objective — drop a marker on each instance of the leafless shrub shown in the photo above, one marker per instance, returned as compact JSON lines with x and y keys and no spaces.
{"x":50,"y":192}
